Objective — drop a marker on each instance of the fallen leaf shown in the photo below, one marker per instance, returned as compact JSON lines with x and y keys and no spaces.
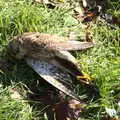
{"x":15,"y":94}
{"x":87,"y":16}
{"x":68,"y":110}
{"x":111,"y":19}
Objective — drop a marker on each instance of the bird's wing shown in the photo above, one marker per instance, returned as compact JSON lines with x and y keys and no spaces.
{"x":55,"y":42}
{"x":53,"y":75}
{"x":68,"y":61}
{"x":72,"y":45}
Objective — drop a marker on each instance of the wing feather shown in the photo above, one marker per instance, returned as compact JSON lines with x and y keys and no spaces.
{"x":54,"y":42}
{"x":72,"y":45}
{"x":53,"y":75}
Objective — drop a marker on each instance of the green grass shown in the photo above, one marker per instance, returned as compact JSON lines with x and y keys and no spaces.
{"x":101,"y":62}
{"x":114,"y":7}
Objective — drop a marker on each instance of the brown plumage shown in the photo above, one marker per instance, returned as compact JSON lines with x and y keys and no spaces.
{"x":37,"y":45}
{"x":48,"y":55}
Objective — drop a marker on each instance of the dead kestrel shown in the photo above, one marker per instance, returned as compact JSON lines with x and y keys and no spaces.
{"x":48,"y":55}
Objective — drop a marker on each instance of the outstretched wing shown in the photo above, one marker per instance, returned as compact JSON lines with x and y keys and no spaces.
{"x":53,"y":75}
{"x":39,"y":45}
{"x":54,"y":42}
{"x":73,"y":45}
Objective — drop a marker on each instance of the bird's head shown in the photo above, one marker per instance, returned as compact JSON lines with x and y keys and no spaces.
{"x":15,"y":48}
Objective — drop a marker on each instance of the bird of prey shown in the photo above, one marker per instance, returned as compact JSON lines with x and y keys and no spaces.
{"x":49,"y":56}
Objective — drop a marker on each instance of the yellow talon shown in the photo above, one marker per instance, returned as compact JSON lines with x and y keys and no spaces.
{"x":84,"y":78}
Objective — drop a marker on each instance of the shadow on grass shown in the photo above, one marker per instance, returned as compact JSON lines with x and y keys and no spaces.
{"x":31,"y":87}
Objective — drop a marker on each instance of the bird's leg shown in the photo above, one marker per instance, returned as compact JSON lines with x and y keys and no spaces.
{"x":85,"y":78}
{"x":92,"y":89}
